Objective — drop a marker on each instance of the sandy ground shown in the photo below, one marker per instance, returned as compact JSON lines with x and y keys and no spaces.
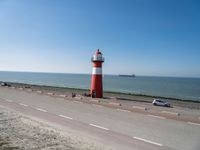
{"x":20,"y":132}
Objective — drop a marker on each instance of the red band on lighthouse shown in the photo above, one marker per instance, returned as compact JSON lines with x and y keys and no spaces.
{"x":96,"y":89}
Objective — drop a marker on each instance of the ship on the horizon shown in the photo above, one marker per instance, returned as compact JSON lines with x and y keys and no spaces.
{"x":126,"y":75}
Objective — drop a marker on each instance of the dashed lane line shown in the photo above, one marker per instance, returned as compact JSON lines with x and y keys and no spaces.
{"x":43,"y":110}
{"x":156,"y":116}
{"x":66,"y":117}
{"x":192,"y":123}
{"x":148,"y":141}
{"x":23,"y":104}
{"x":100,"y":127}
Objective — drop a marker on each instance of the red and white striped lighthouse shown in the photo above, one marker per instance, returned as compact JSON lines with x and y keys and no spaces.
{"x":96,"y":89}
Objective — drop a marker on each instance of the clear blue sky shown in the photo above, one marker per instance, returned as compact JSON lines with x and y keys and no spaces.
{"x":144,"y":37}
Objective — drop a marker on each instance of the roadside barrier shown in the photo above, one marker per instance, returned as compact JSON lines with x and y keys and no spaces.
{"x":39,"y":92}
{"x":78,"y":97}
{"x":94,"y":101}
{"x":115,"y":104}
{"x":171,"y":113}
{"x":29,"y":90}
{"x":63,"y":95}
{"x":140,"y":108}
{"x":49,"y":93}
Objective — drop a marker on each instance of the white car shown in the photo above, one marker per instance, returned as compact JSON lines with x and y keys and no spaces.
{"x":158,"y":102}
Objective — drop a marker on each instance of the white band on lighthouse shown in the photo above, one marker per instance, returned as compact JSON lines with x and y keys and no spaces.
{"x":96,"y":70}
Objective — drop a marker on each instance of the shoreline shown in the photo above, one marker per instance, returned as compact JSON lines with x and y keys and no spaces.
{"x":118,"y":95}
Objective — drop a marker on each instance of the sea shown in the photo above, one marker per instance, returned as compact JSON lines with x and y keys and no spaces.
{"x":173,"y":87}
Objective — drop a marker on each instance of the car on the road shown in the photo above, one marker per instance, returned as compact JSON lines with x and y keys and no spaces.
{"x":158,"y":102}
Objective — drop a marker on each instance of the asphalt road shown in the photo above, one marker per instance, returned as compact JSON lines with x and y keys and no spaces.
{"x":119,"y":129}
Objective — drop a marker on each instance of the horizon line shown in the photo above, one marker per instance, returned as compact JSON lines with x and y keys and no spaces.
{"x":140,"y":75}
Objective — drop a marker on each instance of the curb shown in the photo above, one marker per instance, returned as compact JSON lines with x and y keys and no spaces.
{"x":172,"y":113}
{"x":94,"y":101}
{"x":115,"y":104}
{"x":29,"y":90}
{"x":39,"y":92}
{"x":63,"y":96}
{"x":138,"y":107}
{"x":50,"y":93}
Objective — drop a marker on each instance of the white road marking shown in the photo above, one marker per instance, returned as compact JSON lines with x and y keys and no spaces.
{"x":97,"y":105}
{"x":156,"y":116}
{"x":10,"y":101}
{"x":192,"y":123}
{"x":23,"y":104}
{"x":123,"y":110}
{"x":41,"y":110}
{"x":65,"y":117}
{"x":148,"y":141}
{"x":99,"y":127}
{"x":78,"y":102}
